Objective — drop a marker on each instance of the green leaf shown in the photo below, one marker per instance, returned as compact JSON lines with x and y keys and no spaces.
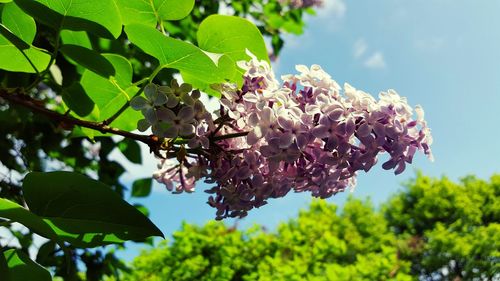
{"x":142,"y":209}
{"x":89,"y":59}
{"x":131,"y":150}
{"x":173,"y":9}
{"x":137,"y":11}
{"x":77,"y":100}
{"x":173,"y":53}
{"x":18,"y":22}
{"x":142,"y":187}
{"x":46,"y":253}
{"x":231,"y":36}
{"x":100,"y":17}
{"x":109,"y":95}
{"x":5,"y":1}
{"x":83,"y":211}
{"x":152,"y":12}
{"x":79,"y":38}
{"x":15,"y":60}
{"x":21,"y":267}
{"x":15,"y":54}
{"x":128,"y":119}
{"x":12,"y":211}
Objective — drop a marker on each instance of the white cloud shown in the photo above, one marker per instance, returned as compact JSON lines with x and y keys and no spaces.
{"x":359,"y":48}
{"x":375,"y":61}
{"x":360,"y":52}
{"x":332,"y":9}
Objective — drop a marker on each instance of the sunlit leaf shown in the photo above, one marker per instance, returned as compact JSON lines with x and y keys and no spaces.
{"x":18,"y":22}
{"x":109,"y":95}
{"x":29,"y":60}
{"x":16,"y":34}
{"x":100,"y":17}
{"x":177,"y":54}
{"x":231,"y":36}
{"x":153,"y":12}
{"x":79,"y":38}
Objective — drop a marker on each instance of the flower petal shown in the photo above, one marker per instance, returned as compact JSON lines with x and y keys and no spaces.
{"x":172,"y":101}
{"x":185,"y":88}
{"x":160,"y":99}
{"x":143,"y":125}
{"x":320,"y":131}
{"x":150,"y":91}
{"x":171,"y":132}
{"x":252,"y":138}
{"x":186,"y":130}
{"x":150,"y":115}
{"x":166,"y":115}
{"x":139,"y":103}
{"x":186,"y":113}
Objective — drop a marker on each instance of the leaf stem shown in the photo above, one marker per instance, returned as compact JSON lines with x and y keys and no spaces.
{"x":53,"y":56}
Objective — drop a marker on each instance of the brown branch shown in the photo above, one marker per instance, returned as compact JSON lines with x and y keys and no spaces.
{"x":36,"y":106}
{"x":155,"y":143}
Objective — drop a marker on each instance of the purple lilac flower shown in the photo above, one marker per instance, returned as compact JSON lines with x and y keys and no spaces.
{"x":298,"y":4}
{"x":180,"y":124}
{"x":307,"y":134}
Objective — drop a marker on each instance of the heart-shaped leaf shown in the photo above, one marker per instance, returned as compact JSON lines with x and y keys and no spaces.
{"x":16,"y":34}
{"x":83,"y":211}
{"x":231,"y":36}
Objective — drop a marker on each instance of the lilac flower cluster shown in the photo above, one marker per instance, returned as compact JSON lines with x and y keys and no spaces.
{"x":303,"y":135}
{"x":297,"y":4}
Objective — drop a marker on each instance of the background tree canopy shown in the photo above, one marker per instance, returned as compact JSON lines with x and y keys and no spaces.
{"x":434,"y":229}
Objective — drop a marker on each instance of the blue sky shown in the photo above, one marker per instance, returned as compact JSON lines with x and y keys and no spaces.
{"x":442,"y":54}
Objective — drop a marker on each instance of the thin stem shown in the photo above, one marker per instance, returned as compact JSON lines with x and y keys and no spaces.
{"x":140,"y":81}
{"x":162,"y":28}
{"x":52,"y":59}
{"x":230,"y":136}
{"x":127,"y":104}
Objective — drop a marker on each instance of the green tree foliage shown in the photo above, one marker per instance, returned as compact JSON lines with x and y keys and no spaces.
{"x":449,"y":230}
{"x":434,"y":229}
